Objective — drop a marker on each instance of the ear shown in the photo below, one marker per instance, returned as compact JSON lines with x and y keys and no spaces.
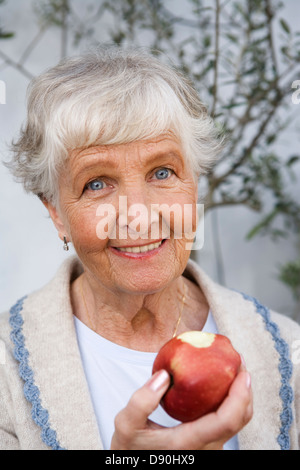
{"x":56,"y":219}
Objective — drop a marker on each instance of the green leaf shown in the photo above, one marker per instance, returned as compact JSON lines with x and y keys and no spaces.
{"x":292,"y":160}
{"x":289,"y":274}
{"x":232,"y":38}
{"x":285,"y":26}
{"x":7,"y":35}
{"x":234,"y":105}
{"x":261,"y":225}
{"x":206,"y":41}
{"x":271,"y":138}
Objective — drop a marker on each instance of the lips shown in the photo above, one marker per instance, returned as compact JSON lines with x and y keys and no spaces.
{"x":138,"y":250}
{"x":141,"y":249}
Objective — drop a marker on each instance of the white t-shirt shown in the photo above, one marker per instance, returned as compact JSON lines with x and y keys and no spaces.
{"x":114,"y":373}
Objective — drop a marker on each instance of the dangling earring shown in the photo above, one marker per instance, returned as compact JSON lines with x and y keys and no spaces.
{"x":66,"y":246}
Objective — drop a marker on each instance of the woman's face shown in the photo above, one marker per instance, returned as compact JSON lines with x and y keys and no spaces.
{"x":116,"y":201}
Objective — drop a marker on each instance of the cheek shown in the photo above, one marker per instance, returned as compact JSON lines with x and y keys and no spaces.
{"x":182,"y":253}
{"x":183,"y":221}
{"x":179,"y":213}
{"x":83,"y":229}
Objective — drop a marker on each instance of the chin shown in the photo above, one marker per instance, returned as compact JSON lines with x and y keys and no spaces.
{"x":150,"y":282}
{"x":148,"y":272}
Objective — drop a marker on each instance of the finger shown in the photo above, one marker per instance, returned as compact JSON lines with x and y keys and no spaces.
{"x":243,"y":363}
{"x":238,"y":402}
{"x":142,"y":403}
{"x":227,"y":421}
{"x":233,"y":414}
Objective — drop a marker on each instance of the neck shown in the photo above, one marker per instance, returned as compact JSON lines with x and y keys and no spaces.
{"x":135,"y":320}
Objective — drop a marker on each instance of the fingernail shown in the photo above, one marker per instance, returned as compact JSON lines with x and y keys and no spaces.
{"x":243,"y":360}
{"x":248,"y":380}
{"x":158,"y":380}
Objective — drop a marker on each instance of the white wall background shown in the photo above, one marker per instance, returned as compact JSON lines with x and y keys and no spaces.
{"x":30,"y":250}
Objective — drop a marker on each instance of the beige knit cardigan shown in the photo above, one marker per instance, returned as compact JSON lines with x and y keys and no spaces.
{"x":44,"y":397}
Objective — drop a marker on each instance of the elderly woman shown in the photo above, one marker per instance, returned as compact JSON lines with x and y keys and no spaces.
{"x":109,"y":136}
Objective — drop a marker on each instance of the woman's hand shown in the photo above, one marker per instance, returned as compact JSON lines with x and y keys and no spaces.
{"x":133,"y":429}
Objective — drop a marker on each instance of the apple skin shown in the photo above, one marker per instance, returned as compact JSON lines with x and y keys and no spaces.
{"x":200,"y":376}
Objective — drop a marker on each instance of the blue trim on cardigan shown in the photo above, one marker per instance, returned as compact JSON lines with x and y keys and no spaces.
{"x":31,"y":391}
{"x":285,"y":368}
{"x":41,"y":416}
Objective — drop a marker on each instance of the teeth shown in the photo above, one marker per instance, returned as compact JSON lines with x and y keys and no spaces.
{"x":141,"y":249}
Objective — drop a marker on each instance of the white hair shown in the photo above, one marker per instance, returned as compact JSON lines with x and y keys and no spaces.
{"x":105,"y":97}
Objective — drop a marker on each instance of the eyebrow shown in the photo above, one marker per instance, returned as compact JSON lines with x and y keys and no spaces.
{"x":107,"y":161}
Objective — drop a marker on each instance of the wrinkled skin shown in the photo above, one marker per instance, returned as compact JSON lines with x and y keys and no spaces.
{"x":138,"y":299}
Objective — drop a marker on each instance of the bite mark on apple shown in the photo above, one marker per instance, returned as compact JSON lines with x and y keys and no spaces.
{"x":197,"y":339}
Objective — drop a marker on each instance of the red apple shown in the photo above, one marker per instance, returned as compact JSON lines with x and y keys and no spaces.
{"x":202,"y":367}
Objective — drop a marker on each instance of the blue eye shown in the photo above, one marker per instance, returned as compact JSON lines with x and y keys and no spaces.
{"x":162,"y":173}
{"x":96,"y":185}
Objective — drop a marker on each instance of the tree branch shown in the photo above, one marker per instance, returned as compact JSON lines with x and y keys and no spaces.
{"x":16,"y":65}
{"x":269,"y":13}
{"x":32,"y":45}
{"x":238,"y":202}
{"x":247,"y":151}
{"x":216,"y":63}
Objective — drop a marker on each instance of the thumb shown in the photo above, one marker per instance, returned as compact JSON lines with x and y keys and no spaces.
{"x":146,"y":399}
{"x":159,"y":383}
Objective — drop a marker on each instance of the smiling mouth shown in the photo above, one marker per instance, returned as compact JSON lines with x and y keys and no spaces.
{"x":140,"y":249}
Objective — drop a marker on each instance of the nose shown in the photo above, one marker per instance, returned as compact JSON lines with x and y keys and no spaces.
{"x":134,"y":216}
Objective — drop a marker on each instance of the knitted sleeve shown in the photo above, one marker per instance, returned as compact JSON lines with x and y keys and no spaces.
{"x":8,"y":439}
{"x":290,"y":332}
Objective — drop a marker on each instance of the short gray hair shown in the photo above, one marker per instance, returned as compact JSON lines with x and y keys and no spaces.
{"x":105,"y":97}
